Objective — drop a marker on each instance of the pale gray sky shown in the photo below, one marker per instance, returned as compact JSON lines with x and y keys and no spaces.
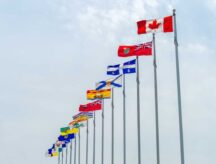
{"x":52,"y":51}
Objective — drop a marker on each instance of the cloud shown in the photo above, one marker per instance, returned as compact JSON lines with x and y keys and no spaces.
{"x":211,"y":4}
{"x":45,"y":78}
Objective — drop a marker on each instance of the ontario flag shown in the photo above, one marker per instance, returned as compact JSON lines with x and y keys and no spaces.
{"x":155,"y":25}
{"x":135,"y":50}
{"x":96,"y":105}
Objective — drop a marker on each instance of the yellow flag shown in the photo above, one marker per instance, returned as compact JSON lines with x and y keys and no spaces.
{"x":55,"y":154}
{"x":64,"y":133}
{"x":71,"y":131}
{"x":95,"y":94}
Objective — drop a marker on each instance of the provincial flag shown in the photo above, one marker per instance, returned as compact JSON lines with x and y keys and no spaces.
{"x":73,"y":131}
{"x":129,"y":67}
{"x":50,"y":151}
{"x":96,"y":105}
{"x":78,"y":120}
{"x":113,"y":69}
{"x":81,"y":114}
{"x":66,"y":137}
{"x":98,"y":94}
{"x":58,"y":143}
{"x":116,"y":82}
{"x":64,"y":129}
{"x":54,"y":154}
{"x":78,"y":125}
{"x":135,"y":50}
{"x":155,"y":25}
{"x":70,"y":131}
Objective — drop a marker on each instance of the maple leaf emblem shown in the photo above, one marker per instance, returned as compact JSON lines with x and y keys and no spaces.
{"x":154,"y":25}
{"x":126,"y":50}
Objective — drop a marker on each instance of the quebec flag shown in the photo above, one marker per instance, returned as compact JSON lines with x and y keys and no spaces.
{"x":113,"y":69}
{"x":129,"y":67}
{"x":126,"y":68}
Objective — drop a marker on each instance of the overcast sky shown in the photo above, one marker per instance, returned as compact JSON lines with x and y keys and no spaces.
{"x":52,"y":51}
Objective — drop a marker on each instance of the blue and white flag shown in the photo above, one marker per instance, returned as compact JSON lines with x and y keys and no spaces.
{"x":113,"y":69}
{"x":125,"y":68}
{"x":129,"y":67}
{"x":116,"y":82}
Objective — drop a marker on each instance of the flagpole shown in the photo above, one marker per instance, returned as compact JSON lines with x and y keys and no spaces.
{"x":71,"y":151}
{"x":179,"y":90}
{"x":66,"y":154}
{"x":124,"y":121}
{"x":59,"y":158}
{"x":138,"y":112}
{"x":94,"y":139}
{"x":102,"y":151}
{"x":79,"y":146}
{"x":112,"y":104}
{"x":156,"y":102}
{"x":87,"y":131}
{"x":62,"y":156}
{"x":75,"y":150}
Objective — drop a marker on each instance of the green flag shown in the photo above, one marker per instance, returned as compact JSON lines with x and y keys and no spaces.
{"x":64,"y":129}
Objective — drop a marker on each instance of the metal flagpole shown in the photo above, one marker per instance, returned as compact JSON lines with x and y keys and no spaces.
{"x":59,"y":158}
{"x":112,"y":104}
{"x":94,"y":139}
{"x":124,"y":121}
{"x":156,"y":102}
{"x":62,"y":156}
{"x":102,"y":151}
{"x":75,"y":150}
{"x":79,"y":147}
{"x":138,"y":112}
{"x":71,"y":151}
{"x":179,"y":90}
{"x":66,"y":154}
{"x":87,"y":131}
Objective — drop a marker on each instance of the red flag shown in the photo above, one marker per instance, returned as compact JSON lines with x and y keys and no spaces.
{"x":135,"y":50}
{"x":96,"y":105}
{"x":155,"y":25}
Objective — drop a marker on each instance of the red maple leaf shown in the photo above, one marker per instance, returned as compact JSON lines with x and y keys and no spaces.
{"x":154,"y":25}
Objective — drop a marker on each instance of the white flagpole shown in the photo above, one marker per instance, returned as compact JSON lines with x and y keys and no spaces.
{"x":79,"y":146}
{"x":102,"y":151}
{"x":59,"y":158}
{"x":94,"y":122}
{"x":178,"y":90}
{"x":156,"y":102}
{"x":75,"y":149}
{"x":62,"y":156}
{"x":112,"y":104}
{"x":66,"y":154}
{"x":138,"y":111}
{"x":87,"y":133}
{"x":124,"y":120}
{"x":71,"y":151}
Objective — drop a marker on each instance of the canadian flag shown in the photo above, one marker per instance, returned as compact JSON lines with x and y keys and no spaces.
{"x":155,"y":25}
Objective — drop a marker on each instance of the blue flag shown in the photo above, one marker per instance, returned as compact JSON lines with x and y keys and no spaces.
{"x":113,"y":69}
{"x":115,"y":82}
{"x":49,"y":151}
{"x":129,"y":67}
{"x":66,"y":138}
